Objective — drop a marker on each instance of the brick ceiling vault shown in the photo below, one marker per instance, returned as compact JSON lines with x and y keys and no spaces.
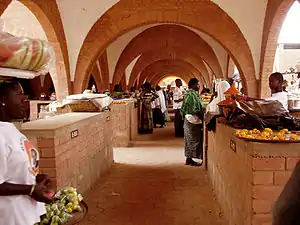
{"x":166,"y":36}
{"x":163,"y":67}
{"x":149,"y":57}
{"x":193,"y":70}
{"x":204,"y":16}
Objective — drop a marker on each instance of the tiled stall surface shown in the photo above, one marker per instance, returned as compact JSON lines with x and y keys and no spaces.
{"x":248,"y":178}
{"x":77,"y":161}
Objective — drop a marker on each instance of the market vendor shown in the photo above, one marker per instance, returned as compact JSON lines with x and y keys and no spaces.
{"x":22,"y":191}
{"x":276,"y":86}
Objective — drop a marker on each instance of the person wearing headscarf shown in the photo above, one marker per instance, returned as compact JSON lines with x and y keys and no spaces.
{"x":222,"y":87}
{"x":145,"y":113}
{"x":192,"y":112}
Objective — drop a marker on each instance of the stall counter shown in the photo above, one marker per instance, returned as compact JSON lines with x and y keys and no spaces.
{"x":35,"y":108}
{"x":248,"y":176}
{"x":75,"y":148}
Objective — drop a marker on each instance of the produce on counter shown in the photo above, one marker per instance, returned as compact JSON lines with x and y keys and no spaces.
{"x":60,"y":211}
{"x":267,"y":134}
{"x":232,"y":91}
{"x":119,"y":102}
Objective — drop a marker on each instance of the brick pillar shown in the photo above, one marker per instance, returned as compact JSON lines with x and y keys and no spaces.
{"x":123,"y":82}
{"x":230,"y":67}
{"x":103,"y":64}
{"x":97,"y":77}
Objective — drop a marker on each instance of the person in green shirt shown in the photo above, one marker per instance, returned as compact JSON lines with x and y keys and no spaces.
{"x":192,"y":113}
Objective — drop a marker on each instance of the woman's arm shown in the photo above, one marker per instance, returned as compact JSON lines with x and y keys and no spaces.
{"x":37,"y":192}
{"x":7,"y":189}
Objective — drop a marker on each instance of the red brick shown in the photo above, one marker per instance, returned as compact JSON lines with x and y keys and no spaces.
{"x":45,"y":143}
{"x":269,"y":164}
{"x":47,"y":163}
{"x":47,"y":152}
{"x":266,"y":192}
{"x":291,"y":163}
{"x":281,"y":177}
{"x":262,"y":219}
{"x":262,"y":206}
{"x":54,"y":184}
{"x":208,"y":11}
{"x":263,"y":177}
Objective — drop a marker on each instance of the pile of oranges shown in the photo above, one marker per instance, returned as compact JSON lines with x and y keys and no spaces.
{"x":267,"y":134}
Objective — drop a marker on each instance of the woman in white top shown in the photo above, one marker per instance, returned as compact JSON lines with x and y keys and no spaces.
{"x":222,"y":87}
{"x":22,"y":190}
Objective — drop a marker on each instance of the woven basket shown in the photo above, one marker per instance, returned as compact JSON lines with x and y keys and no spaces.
{"x":79,"y":106}
{"x":79,"y":216}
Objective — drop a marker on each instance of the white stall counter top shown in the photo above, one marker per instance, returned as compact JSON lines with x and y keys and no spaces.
{"x":55,"y":122}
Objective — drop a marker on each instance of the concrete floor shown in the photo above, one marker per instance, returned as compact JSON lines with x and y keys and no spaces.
{"x":150,"y":185}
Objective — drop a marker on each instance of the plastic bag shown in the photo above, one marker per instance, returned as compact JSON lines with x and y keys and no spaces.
{"x":262,"y":114}
{"x":26,"y":54}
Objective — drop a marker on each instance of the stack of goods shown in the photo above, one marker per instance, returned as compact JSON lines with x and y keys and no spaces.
{"x":66,"y":204}
{"x":25,"y":54}
{"x":268,"y":135}
{"x":85,"y":102}
{"x":119,"y":102}
{"x":227,"y":106}
{"x":232,"y":91}
{"x":206,"y":98}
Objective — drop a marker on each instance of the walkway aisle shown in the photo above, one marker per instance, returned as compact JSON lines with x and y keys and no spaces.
{"x":149,"y":185}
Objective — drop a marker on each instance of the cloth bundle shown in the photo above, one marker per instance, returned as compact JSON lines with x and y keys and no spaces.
{"x":25,"y":53}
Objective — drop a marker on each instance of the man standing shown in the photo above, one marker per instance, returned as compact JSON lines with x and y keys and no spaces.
{"x":178,"y":98}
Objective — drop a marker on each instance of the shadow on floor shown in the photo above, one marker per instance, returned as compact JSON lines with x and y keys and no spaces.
{"x":152,"y":195}
{"x":150,"y":185}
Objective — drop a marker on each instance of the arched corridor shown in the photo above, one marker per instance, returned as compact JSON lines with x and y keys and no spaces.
{"x":149,"y":184}
{"x":91,"y":112}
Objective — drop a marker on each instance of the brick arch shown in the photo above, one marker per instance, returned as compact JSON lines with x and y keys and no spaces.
{"x":275,"y":15}
{"x":167,"y":67}
{"x":168,"y":53}
{"x":172,"y":68}
{"x":181,"y":73}
{"x":166,"y":36}
{"x":183,"y":76}
{"x":48,"y":15}
{"x":97,"y":80}
{"x":204,"y":16}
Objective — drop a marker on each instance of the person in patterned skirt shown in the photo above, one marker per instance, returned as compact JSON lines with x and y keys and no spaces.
{"x":192,"y":113}
{"x":145,"y":112}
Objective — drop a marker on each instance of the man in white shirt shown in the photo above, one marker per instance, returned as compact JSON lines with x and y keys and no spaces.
{"x":276,"y":86}
{"x":178,"y":98}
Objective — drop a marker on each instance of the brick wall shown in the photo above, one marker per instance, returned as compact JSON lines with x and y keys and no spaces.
{"x":124,"y":122}
{"x":76,"y":162}
{"x":248,"y":181}
{"x":231,"y":175}
{"x":134,"y":124}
